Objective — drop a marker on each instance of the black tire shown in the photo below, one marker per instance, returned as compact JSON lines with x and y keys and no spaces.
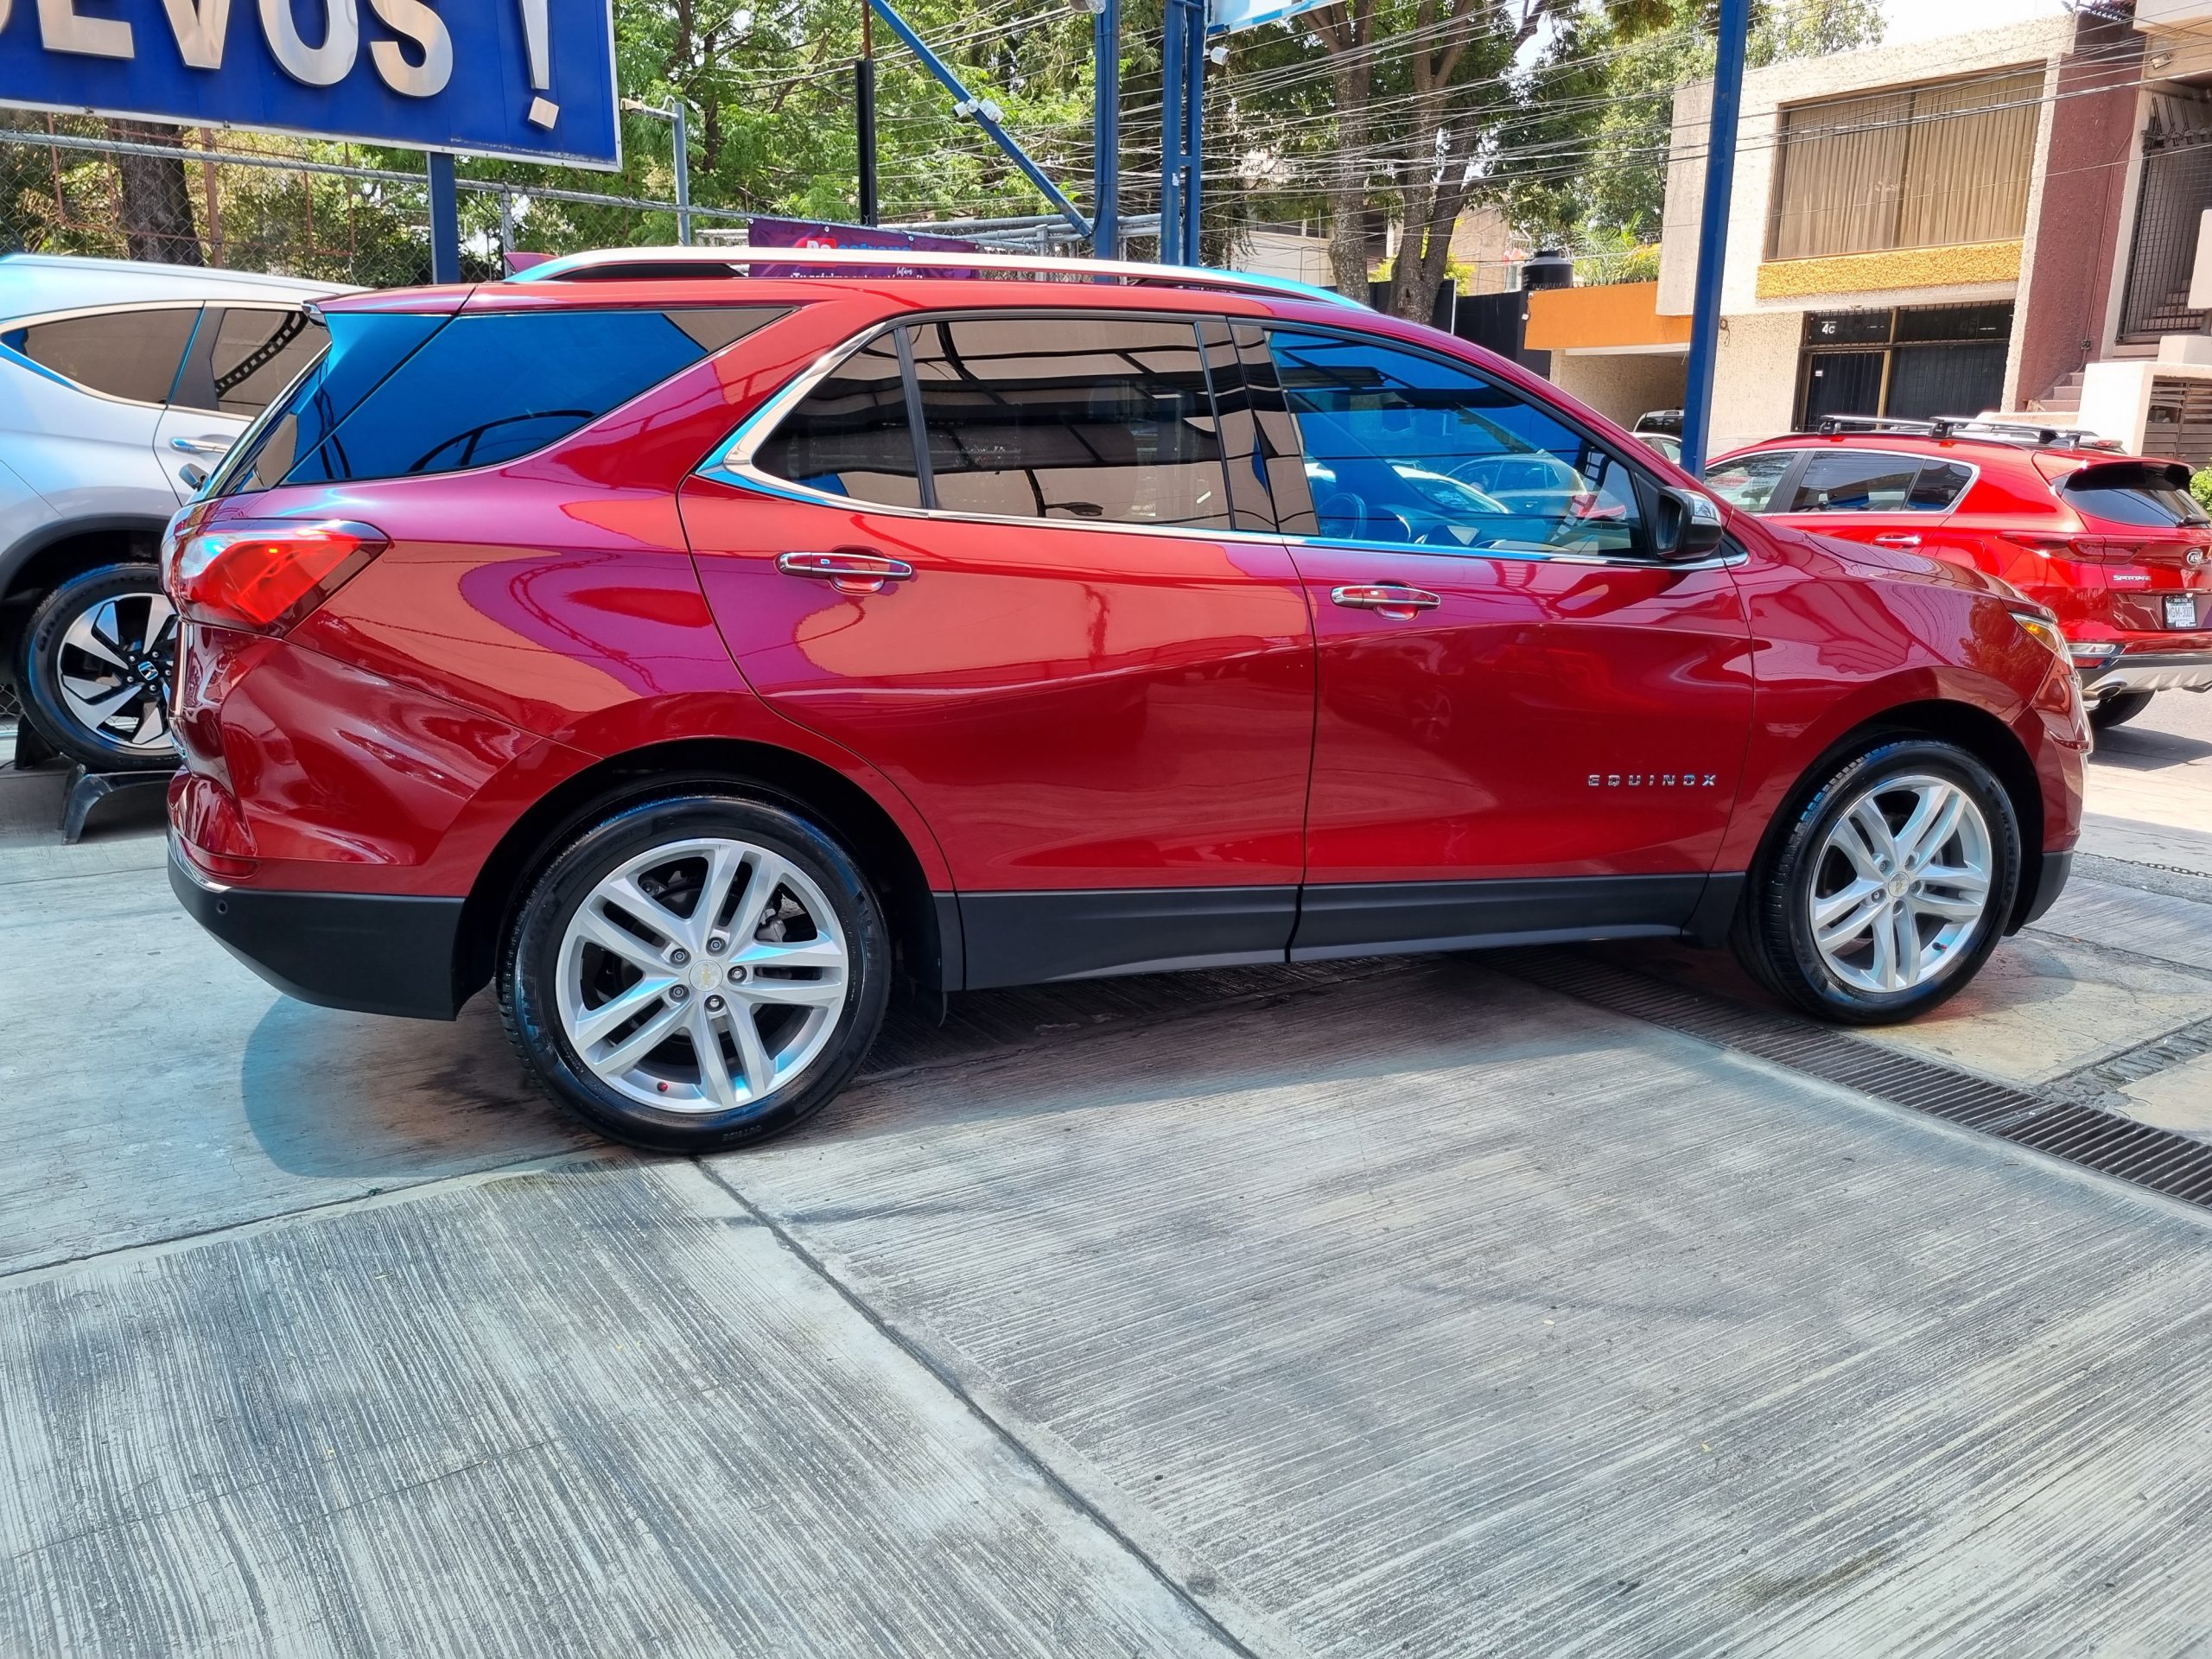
{"x":1773,"y":934}
{"x":49,"y":666}
{"x":2117,"y":709}
{"x":530,"y":963}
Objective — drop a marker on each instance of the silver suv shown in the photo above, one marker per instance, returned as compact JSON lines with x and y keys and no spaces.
{"x":120,"y":384}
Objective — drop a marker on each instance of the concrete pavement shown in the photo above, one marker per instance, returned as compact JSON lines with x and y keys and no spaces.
{"x":1390,"y":1308}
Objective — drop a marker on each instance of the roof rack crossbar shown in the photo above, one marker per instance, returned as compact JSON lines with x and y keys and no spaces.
{"x":609,"y":264}
{"x":1945,"y":425}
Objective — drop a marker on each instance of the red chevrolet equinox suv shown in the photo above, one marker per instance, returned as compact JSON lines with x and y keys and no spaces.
{"x":2113,"y":546}
{"x":687,"y":654}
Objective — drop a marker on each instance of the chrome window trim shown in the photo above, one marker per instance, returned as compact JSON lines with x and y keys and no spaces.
{"x":734,"y":461}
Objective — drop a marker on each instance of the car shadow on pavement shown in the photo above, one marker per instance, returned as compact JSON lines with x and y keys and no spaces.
{"x":360,"y":1097}
{"x":2149,"y":751}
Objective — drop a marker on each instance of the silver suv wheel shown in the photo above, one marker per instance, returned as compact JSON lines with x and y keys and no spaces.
{"x":702,"y":974}
{"x":112,"y":665}
{"x":1901,"y":883}
{"x":94,"y":666}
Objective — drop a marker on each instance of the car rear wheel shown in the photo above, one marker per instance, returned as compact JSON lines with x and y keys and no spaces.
{"x":94,"y":667}
{"x":696,"y":972}
{"x":1891,"y":888}
{"x":2118,"y":709}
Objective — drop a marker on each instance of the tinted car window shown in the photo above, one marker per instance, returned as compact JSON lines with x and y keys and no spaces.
{"x":363,"y":349}
{"x":851,"y":435}
{"x":1081,"y":418}
{"x":1847,"y":481}
{"x":2133,"y":495}
{"x":1750,"y":483}
{"x":1405,"y":448}
{"x":486,"y":389}
{"x":1939,"y":486}
{"x":258,"y":353}
{"x":130,"y":354}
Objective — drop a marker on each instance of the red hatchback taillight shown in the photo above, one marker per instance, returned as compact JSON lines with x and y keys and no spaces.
{"x":263,"y":577}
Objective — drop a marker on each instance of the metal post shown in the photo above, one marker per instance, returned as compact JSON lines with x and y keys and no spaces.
{"x":506,"y":222}
{"x":1106,"y":123}
{"x":677,"y":117}
{"x":983,"y":112}
{"x":864,"y":115}
{"x":1194,"y":122}
{"x":1712,"y":231}
{"x":445,"y":219}
{"x":1174,"y":85}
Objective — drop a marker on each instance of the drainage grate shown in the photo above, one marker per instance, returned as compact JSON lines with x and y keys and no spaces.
{"x":2157,"y":1158}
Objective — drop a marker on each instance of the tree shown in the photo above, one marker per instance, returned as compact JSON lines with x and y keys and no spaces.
{"x":1626,"y":66}
{"x":157,"y":197}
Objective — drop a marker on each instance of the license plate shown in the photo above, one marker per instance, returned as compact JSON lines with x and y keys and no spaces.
{"x":2181,"y":610}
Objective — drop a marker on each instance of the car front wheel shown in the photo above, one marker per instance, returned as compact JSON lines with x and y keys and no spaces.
{"x":93,"y":667}
{"x":696,"y":972}
{"x":1891,"y":888}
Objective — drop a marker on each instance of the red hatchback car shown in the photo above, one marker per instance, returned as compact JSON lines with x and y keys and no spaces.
{"x":2114,"y":546}
{"x":688,"y":654}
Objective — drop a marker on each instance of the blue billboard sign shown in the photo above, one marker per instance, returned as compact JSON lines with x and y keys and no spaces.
{"x":529,"y":79}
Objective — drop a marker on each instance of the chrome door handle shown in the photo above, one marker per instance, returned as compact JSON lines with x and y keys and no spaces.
{"x":1897,"y":538}
{"x":1391,"y":598}
{"x":848,"y":573}
{"x":211,"y":444}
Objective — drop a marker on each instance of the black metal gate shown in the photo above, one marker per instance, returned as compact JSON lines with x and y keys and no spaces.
{"x":2176,"y":190}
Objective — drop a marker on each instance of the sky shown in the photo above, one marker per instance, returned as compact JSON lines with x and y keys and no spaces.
{"x":1923,"y":20}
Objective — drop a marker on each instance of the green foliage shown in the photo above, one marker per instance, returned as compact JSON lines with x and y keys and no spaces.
{"x":2200,"y":485}
{"x":1611,"y":76}
{"x":1617,"y":258}
{"x":1562,"y":106}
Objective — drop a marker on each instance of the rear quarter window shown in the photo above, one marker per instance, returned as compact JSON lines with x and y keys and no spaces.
{"x":403,"y":396}
{"x":128,"y":354}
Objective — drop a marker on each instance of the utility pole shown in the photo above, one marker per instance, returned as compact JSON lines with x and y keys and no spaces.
{"x":1106,"y":127}
{"x":864,"y":115}
{"x":1713,"y":228}
{"x":678,"y":117}
{"x":1173,"y":85}
{"x":1194,"y":125}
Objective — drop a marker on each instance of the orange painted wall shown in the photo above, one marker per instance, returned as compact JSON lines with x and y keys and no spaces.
{"x":1617,"y":314}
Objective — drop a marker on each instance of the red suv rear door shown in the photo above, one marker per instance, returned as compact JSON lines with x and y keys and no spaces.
{"x":1888,"y":498}
{"x":1046,"y":629}
{"x":1525,"y":725}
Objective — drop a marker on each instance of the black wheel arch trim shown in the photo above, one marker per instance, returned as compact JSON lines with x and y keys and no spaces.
{"x":24,"y":549}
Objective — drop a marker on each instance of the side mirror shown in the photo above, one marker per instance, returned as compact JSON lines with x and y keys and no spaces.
{"x":1687,"y":524}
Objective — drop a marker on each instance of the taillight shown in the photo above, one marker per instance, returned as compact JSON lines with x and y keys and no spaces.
{"x":265,"y":576}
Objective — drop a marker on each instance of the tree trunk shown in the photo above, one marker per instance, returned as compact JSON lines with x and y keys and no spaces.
{"x":1347,"y":185}
{"x":156,"y":198}
{"x":1432,"y":213}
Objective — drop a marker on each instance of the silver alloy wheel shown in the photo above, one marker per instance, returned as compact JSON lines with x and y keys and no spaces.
{"x":113,"y":668}
{"x":702,"y":975}
{"x":1901,"y":884}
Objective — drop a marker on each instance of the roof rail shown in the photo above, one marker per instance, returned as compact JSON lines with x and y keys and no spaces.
{"x":618,"y":265}
{"x":1969,"y":426}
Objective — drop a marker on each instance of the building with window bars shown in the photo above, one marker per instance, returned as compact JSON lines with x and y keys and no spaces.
{"x":2016,"y":219}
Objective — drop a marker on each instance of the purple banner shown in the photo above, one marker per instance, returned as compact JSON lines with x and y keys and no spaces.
{"x":813,"y":233}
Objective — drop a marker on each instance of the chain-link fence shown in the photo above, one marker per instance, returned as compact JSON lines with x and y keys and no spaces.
{"x":335,"y":212}
{"x":338,"y":213}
